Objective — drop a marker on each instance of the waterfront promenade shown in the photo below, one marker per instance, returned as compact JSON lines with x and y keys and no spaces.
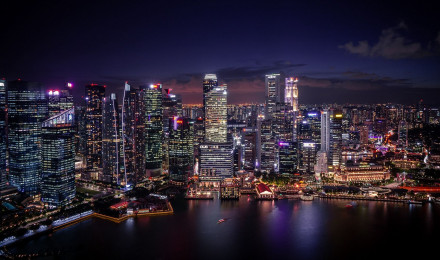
{"x":77,"y":218}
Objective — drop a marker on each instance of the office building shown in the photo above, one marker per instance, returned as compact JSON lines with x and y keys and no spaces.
{"x":27,"y":108}
{"x":58,"y":159}
{"x":153,"y":129}
{"x":180,"y":149}
{"x":3,"y":179}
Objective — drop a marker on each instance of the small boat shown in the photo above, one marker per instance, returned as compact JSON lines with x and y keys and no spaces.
{"x":414,"y":202}
{"x":221,"y":221}
{"x":349,"y":206}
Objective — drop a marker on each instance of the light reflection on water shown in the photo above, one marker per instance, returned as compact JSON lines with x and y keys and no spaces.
{"x":254,"y":229}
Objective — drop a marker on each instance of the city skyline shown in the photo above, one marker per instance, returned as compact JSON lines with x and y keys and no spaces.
{"x":338,"y":55}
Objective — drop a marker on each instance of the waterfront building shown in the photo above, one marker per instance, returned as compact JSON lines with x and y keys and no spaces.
{"x":26,"y":110}
{"x":230,"y":188}
{"x":249,"y":148}
{"x":112,"y":146}
{"x":58,"y":159}
{"x":3,"y":179}
{"x":94,"y":96}
{"x":153,"y":129}
{"x":363,"y":172}
{"x":264,"y":191}
{"x":181,"y":150}
{"x":216,"y":160}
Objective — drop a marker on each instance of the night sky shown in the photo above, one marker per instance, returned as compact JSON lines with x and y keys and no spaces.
{"x":343,"y":52}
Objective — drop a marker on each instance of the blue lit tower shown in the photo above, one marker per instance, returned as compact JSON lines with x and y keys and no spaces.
{"x":58,"y":159}
{"x":3,"y":179}
{"x":27,"y":108}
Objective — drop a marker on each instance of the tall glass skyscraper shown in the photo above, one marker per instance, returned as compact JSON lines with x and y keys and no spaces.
{"x":215,"y":108}
{"x":129,"y":126}
{"x":181,"y":151}
{"x":274,"y":93}
{"x":153,"y":129}
{"x":27,"y":108}
{"x":3,"y":179}
{"x":94,"y":97}
{"x":112,"y":149}
{"x":58,"y":159}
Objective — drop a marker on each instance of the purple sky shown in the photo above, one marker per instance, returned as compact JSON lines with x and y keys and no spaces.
{"x":341,"y":52}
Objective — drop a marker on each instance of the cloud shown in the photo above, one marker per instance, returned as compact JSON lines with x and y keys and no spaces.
{"x":391,"y":45}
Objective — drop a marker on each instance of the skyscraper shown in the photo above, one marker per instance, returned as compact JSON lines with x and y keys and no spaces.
{"x":180,"y":149}
{"x":335,"y":150}
{"x":215,"y":108}
{"x":288,"y":157}
{"x":60,"y":100}
{"x":153,"y":129}
{"x":129,"y":126}
{"x":94,"y":97}
{"x":3,"y":179}
{"x":268,"y":146}
{"x":291,"y":93}
{"x":58,"y":159}
{"x":274,"y":93}
{"x":27,"y":108}
{"x":112,"y":149}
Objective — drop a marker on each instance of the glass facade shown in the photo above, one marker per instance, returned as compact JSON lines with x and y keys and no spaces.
{"x":153,"y":128}
{"x":3,"y":180}
{"x":27,"y":108}
{"x":181,"y":151}
{"x":58,"y":159}
{"x":94,"y":97}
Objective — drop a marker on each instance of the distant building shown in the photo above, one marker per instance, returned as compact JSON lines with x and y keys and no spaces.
{"x":288,"y":157}
{"x":215,"y":110}
{"x":274,"y":93}
{"x":216,"y":160}
{"x":58,"y":159}
{"x":3,"y":138}
{"x":264,"y":192}
{"x":230,"y":188}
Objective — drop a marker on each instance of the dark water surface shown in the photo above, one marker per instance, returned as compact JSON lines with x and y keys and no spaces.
{"x":285,"y":229}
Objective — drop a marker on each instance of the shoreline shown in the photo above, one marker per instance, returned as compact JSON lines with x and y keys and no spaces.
{"x":52,"y":229}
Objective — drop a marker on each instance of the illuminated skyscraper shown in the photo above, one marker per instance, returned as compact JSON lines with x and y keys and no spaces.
{"x":268,"y":146}
{"x":60,"y":100}
{"x":27,"y":108}
{"x":94,"y":97}
{"x":58,"y":159}
{"x":129,"y":126}
{"x":181,"y":151}
{"x":335,"y":149}
{"x":291,"y":93}
{"x":172,"y":107}
{"x":325,"y":131}
{"x":153,"y":129}
{"x":3,"y":179}
{"x":288,"y":157}
{"x":112,"y":149}
{"x":215,"y":108}
{"x":274,"y":93}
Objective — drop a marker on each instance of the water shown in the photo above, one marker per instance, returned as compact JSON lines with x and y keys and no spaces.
{"x":285,"y":229}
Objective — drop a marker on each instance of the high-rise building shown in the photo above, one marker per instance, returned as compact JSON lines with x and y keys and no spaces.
{"x":172,"y":107}
{"x":249,"y":148}
{"x":268,"y":147}
{"x":288,"y":157}
{"x":335,"y":151}
{"x":291,"y":93}
{"x":274,"y":93}
{"x":94,"y":96}
{"x":153,"y":129}
{"x":215,"y":110}
{"x":112,"y":146}
{"x":216,"y":154}
{"x":325,"y":130}
{"x":181,"y":150}
{"x":403,"y":133}
{"x":58,"y":159}
{"x":140,"y":134}
{"x":129,"y":126}
{"x":3,"y":180}
{"x":27,"y":108}
{"x":60,"y":100}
